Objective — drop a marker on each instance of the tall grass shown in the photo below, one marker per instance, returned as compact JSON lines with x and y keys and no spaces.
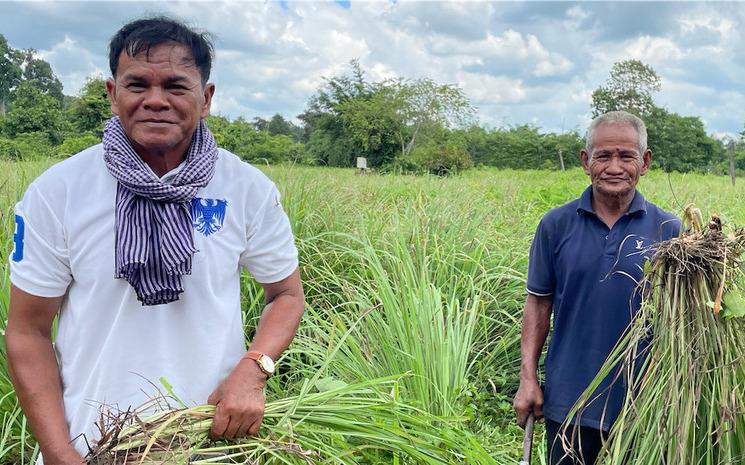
{"x":425,"y":277}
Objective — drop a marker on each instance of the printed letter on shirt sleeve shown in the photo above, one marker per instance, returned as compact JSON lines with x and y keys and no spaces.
{"x":270,"y":253}
{"x":39,"y":264}
{"x":18,"y":239}
{"x":541,"y":279}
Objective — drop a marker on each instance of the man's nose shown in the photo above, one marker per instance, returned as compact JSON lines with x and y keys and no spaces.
{"x":614,"y":165}
{"x":156,"y":99}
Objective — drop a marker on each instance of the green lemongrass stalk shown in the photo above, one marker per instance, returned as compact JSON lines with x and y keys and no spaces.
{"x":684,"y":395}
{"x":335,"y":426}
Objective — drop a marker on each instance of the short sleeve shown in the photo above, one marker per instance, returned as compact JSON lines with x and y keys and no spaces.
{"x":270,"y":253}
{"x":541,"y":276}
{"x":670,"y":228}
{"x":39,"y":263}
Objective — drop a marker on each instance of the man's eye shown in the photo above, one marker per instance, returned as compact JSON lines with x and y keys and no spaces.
{"x":176,"y":87}
{"x":135,"y":87}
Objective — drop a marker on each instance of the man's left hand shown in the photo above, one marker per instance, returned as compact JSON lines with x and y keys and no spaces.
{"x":239,"y":402}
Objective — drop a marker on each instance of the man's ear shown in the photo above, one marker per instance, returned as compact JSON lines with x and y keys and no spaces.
{"x":584,"y":158}
{"x":209,"y":92}
{"x":111,"y":92}
{"x":646,"y":162}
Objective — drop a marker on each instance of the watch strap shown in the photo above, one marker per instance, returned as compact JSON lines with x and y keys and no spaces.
{"x":253,"y":355}
{"x":257,"y":356}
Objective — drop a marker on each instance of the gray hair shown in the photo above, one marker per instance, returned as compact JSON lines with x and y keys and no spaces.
{"x":617,"y":117}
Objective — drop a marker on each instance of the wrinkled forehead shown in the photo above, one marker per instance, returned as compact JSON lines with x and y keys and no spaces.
{"x":166,"y":53}
{"x":615,"y":132}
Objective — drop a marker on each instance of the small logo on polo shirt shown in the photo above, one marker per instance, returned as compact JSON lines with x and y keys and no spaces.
{"x":639,"y":245}
{"x":208,"y":215}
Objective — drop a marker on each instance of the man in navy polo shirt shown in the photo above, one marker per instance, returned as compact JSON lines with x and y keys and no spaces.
{"x":584,"y":263}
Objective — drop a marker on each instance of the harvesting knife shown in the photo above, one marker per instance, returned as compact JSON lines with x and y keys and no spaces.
{"x":528,"y":441}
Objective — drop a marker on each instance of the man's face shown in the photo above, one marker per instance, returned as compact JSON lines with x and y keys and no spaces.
{"x":615,"y":164}
{"x":159,"y":98}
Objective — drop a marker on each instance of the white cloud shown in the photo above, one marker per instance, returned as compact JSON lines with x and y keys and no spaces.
{"x":575,"y":16}
{"x":722,"y":26}
{"x":510,"y":46}
{"x":518,"y":62}
{"x":483,"y":88}
{"x":72,"y":64}
{"x":653,"y":49}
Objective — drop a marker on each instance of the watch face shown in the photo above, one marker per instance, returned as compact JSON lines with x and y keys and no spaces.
{"x":267,"y":363}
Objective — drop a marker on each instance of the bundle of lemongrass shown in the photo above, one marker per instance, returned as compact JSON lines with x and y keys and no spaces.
{"x":343,"y":425}
{"x":682,"y":359}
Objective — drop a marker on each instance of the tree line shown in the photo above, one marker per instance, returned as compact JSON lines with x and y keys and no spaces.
{"x":402,"y":125}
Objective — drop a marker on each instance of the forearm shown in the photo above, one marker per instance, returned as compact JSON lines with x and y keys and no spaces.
{"x":535,"y":328}
{"x":35,"y":374}
{"x":278,"y":325}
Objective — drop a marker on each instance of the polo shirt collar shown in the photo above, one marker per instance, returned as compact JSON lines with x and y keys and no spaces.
{"x":638,"y":204}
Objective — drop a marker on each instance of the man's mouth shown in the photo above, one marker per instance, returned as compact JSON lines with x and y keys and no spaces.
{"x":155,"y":121}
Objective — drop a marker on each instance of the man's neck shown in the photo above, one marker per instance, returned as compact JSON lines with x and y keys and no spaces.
{"x":162,"y":163}
{"x":609,"y":208}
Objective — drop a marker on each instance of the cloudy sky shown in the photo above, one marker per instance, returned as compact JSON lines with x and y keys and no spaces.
{"x":519,"y":62}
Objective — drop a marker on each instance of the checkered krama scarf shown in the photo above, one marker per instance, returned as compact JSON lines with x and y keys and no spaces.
{"x":154,"y":241}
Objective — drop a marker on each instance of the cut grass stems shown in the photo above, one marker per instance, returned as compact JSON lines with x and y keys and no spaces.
{"x":682,"y":358}
{"x":348,"y":424}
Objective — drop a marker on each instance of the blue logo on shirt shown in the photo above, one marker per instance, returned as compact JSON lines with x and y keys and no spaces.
{"x":18,"y":239}
{"x":208,"y":215}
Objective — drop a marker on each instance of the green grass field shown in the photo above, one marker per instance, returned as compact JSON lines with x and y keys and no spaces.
{"x":403,"y":274}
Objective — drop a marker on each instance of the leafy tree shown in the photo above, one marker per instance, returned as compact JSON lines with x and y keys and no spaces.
{"x":521,"y":147}
{"x":91,"y":108}
{"x":260,"y":124}
{"x":329,"y":140}
{"x":423,"y":107}
{"x":241,"y":138}
{"x":278,"y":125}
{"x":679,"y":143}
{"x":371,"y":125}
{"x":33,"y":111}
{"x":10,"y":71}
{"x":441,"y":157}
{"x":629,"y":87}
{"x":350,"y":117}
{"x":40,"y":73}
{"x":569,"y":144}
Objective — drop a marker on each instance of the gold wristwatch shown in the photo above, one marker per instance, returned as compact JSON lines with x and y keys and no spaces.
{"x":265,"y":362}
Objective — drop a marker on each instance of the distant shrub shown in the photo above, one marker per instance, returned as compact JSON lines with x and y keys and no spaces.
{"x":441,"y":159}
{"x":9,"y":150}
{"x":261,"y":147}
{"x":73,"y":145}
{"x":27,"y":146}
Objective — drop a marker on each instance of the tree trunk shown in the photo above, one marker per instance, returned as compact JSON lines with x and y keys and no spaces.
{"x":732,"y":161}
{"x":410,"y":145}
{"x":561,"y":160}
{"x":2,"y":105}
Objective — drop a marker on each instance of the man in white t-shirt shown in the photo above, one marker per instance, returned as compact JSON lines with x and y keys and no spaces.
{"x":137,"y":244}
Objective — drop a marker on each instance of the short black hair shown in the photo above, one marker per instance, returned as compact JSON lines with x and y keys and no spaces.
{"x":143,"y":34}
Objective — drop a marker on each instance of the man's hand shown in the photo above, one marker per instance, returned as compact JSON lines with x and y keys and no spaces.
{"x":240,"y":398}
{"x":529,"y":399}
{"x":239,"y":402}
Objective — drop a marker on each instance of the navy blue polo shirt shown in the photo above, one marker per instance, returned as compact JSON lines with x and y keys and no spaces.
{"x":591,"y":272}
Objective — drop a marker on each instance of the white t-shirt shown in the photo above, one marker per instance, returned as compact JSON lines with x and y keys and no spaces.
{"x":109,"y":347}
